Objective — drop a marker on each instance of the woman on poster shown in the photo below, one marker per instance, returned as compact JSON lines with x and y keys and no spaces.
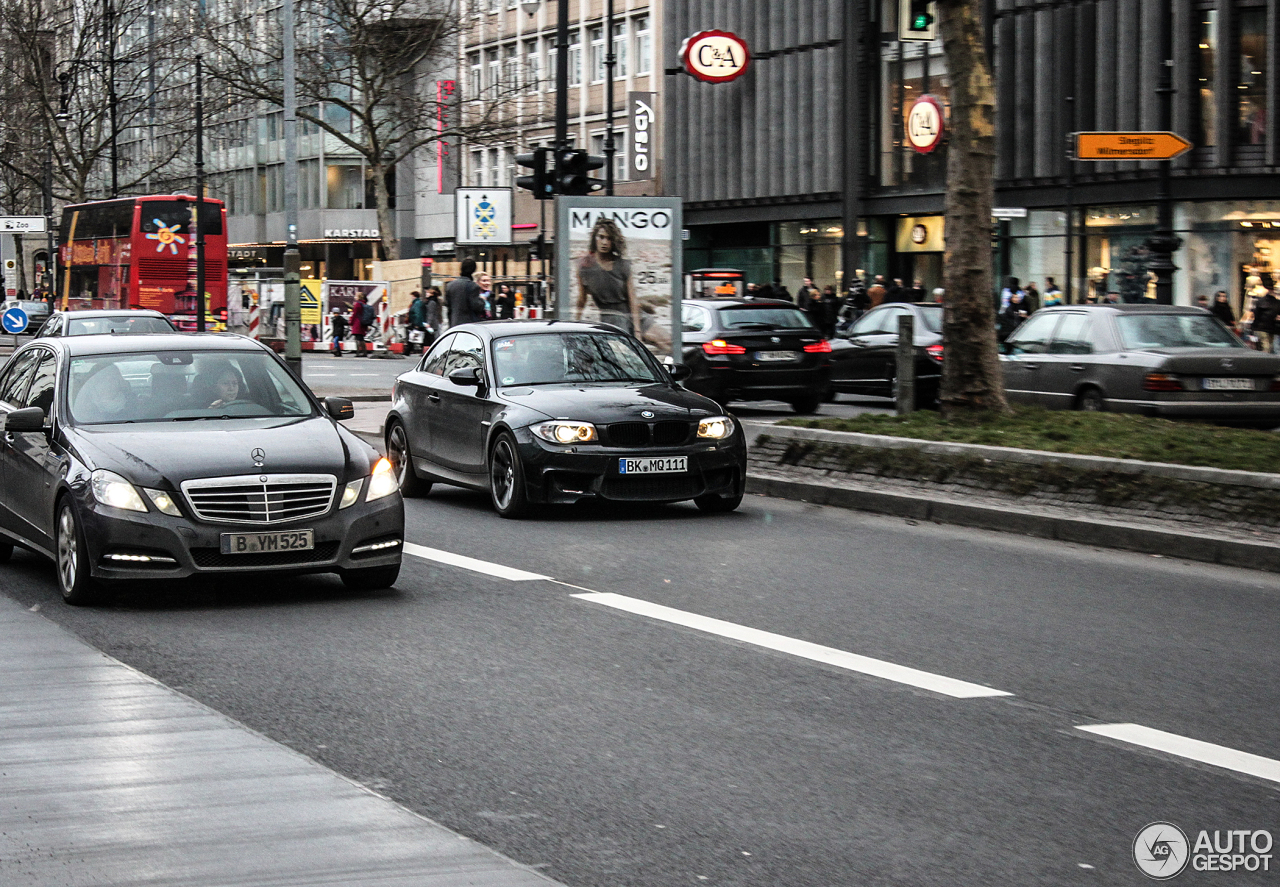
{"x":605,"y":275}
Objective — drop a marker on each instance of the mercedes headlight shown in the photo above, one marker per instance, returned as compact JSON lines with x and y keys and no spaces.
{"x":566,"y":432}
{"x":382,"y":482}
{"x":715,"y":428}
{"x":113,"y":490}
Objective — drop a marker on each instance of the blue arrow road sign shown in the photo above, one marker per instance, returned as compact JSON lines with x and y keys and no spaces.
{"x":14,"y":321}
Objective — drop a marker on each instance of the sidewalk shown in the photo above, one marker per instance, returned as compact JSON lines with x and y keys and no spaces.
{"x":110,"y":778}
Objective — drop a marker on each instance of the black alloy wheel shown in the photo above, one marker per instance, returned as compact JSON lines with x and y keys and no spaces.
{"x":1091,"y":401}
{"x":713,"y":503}
{"x":506,"y":479}
{"x":806,"y":404}
{"x":402,"y":463}
{"x":74,"y":580}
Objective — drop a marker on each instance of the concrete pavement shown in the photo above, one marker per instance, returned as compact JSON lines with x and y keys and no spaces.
{"x":110,"y":778}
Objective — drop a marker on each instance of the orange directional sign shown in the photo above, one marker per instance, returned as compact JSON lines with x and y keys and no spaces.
{"x":1129,"y":145}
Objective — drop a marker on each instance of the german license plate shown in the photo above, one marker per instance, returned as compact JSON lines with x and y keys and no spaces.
{"x":654,"y":465}
{"x":765,"y":356}
{"x":257,"y":543}
{"x":1228,"y":385}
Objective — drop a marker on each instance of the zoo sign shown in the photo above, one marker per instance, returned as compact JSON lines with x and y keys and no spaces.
{"x":715,"y":56}
{"x":925,"y":124}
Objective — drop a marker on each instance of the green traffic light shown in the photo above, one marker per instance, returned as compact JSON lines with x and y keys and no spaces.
{"x":921,"y":22}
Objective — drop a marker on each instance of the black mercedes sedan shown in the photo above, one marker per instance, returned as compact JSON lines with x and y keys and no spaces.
{"x":552,"y":412}
{"x":865,"y":360}
{"x":162,"y":456}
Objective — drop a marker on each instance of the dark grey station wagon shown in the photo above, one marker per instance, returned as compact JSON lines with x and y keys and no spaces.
{"x":1159,"y":360}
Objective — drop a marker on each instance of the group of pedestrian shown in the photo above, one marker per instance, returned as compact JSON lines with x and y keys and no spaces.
{"x":1020,"y":301}
{"x":360,"y":320}
{"x":1259,"y":319}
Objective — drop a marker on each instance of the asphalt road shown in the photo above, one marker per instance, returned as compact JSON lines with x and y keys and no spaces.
{"x":611,"y":747}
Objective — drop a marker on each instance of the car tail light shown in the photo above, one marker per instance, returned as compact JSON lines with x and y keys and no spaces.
{"x":820,"y":347}
{"x":934,"y":351}
{"x":1275,"y":383}
{"x":1160,"y":382}
{"x":720,"y":346}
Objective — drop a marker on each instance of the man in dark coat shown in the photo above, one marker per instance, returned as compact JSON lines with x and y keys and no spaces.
{"x":1265,"y":309}
{"x":462,"y":296}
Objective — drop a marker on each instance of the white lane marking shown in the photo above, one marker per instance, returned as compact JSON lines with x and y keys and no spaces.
{"x":1192,"y":749}
{"x":804,"y":649}
{"x":470,"y":563}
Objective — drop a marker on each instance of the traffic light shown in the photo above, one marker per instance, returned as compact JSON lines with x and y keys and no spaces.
{"x":917,"y":20}
{"x":572,"y":168}
{"x":921,"y":19}
{"x":540,"y":182}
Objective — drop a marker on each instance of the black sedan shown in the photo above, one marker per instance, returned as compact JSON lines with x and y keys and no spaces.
{"x":550,"y":412}
{"x":865,"y":360}
{"x":754,"y":349}
{"x":146,"y":457}
{"x":1158,"y":360}
{"x":103,"y":321}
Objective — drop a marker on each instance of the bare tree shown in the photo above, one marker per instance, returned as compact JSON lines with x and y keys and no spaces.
{"x":367,"y":72}
{"x":971,"y":375}
{"x":85,"y":79}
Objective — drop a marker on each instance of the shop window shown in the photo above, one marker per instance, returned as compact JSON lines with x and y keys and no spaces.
{"x":1207,"y":69}
{"x":1252,"y":87}
{"x":345,"y":186}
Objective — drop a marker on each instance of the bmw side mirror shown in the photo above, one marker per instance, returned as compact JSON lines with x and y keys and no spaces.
{"x":339,"y":408}
{"x":30,"y":419}
{"x":467,"y":376}
{"x":679,"y":371}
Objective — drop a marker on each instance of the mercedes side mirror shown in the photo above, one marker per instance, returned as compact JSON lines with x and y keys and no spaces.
{"x":30,"y":419}
{"x":339,"y":408}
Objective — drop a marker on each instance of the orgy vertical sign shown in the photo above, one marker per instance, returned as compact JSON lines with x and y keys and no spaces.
{"x":644,"y":132}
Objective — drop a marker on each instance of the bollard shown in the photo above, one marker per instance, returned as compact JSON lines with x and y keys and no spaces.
{"x":255,"y":322}
{"x":905,"y":375}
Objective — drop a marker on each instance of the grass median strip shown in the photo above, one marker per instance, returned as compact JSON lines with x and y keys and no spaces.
{"x":1114,"y":435}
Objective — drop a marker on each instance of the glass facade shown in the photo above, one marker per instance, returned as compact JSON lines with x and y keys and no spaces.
{"x":1251,"y":91}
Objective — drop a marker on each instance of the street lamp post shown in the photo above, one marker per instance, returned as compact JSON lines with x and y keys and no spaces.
{"x":199,"y":221}
{"x":610,"y":60}
{"x":292,"y":257}
{"x":1163,"y":243}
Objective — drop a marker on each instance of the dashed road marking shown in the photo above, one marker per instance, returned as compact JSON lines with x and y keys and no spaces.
{"x":1191,"y":749}
{"x":470,"y":563}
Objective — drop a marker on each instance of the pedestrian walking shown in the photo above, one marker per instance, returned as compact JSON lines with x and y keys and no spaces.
{"x":485,"y":282}
{"x":830,"y":308}
{"x":1265,"y":308}
{"x":877,"y":291}
{"x":338,"y":330}
{"x":462,"y":296}
{"x":1052,"y":294}
{"x":896,"y":291}
{"x":359,"y":328}
{"x":505,"y":303}
{"x":781,"y":292}
{"x":1030,"y":298}
{"x":1006,"y":294}
{"x":432,"y":316}
{"x":918,"y":293}
{"x":809,"y":300}
{"x":1012,"y":316}
{"x":417,"y":323}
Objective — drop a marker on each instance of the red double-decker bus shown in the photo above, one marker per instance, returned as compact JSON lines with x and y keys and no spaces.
{"x":140,"y":252}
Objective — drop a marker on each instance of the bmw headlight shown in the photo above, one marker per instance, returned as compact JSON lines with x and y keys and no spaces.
{"x":565,"y":432}
{"x":382,"y":482}
{"x":715,"y":428}
{"x":113,"y":490}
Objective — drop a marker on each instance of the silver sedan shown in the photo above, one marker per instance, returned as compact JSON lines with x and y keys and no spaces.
{"x":1158,"y":360}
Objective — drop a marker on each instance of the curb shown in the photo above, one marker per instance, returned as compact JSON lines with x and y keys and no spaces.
{"x":1102,"y":534}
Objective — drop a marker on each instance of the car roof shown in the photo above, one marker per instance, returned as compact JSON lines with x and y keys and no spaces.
{"x":112,"y":312}
{"x":499,"y":328}
{"x":740,"y":303}
{"x":149,"y":343}
{"x":1126,"y":308}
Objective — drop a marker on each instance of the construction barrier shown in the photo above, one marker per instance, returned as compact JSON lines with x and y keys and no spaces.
{"x":255,"y":322}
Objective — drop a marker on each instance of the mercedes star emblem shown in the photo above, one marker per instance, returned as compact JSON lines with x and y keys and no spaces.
{"x":1227,"y":363}
{"x":647,"y":414}
{"x":258,"y":456}
{"x":774,"y":339}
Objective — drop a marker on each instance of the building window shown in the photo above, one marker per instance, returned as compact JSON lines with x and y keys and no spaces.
{"x":575,"y":59}
{"x":495,"y":6}
{"x":620,"y":50}
{"x":619,"y":153}
{"x":477,"y":169}
{"x":511,"y":67}
{"x":643,"y":44}
{"x":508,"y":171}
{"x":597,"y":53}
{"x":532,"y":66}
{"x":553,"y":55}
{"x":473,"y":78}
{"x":345,"y":185}
{"x":1207,"y":69}
{"x":1252,"y":88}
{"x":493,"y":72}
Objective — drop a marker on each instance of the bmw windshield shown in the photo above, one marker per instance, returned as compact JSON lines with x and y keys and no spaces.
{"x":572,"y":358}
{"x":182,"y":386}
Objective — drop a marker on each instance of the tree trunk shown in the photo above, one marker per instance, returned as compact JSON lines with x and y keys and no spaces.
{"x":386,"y":221}
{"x":971,"y":374}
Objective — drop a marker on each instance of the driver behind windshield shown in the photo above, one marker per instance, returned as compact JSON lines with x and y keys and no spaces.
{"x":219,"y":384}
